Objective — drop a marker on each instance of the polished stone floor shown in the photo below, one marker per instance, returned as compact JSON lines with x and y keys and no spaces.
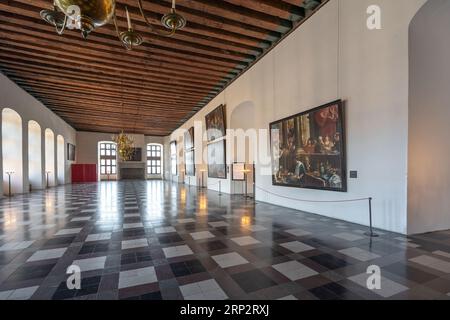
{"x":158,"y":240}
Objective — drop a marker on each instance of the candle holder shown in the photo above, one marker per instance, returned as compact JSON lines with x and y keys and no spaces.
{"x":9,"y":173}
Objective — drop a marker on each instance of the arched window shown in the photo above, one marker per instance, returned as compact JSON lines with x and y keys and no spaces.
{"x":108,"y":158}
{"x":35,"y":155}
{"x":12,"y":151}
{"x":61,"y":157}
{"x":50,"y":158}
{"x":173,"y":158}
{"x":154,"y":159}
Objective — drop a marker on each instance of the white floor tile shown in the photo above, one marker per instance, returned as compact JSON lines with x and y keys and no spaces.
{"x":90,"y":264}
{"x":245,"y":241}
{"x":297,"y":246}
{"x":137,"y":277}
{"x":178,"y":251}
{"x":229,"y":260}
{"x":388,"y":287}
{"x":348,"y":236}
{"x":47,"y":254}
{"x":65,"y":232}
{"x":202,"y":235}
{"x":294,"y":270}
{"x":131,"y":244}
{"x":359,"y":254}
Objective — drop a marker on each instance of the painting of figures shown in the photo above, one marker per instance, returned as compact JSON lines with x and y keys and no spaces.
{"x":308,"y":149}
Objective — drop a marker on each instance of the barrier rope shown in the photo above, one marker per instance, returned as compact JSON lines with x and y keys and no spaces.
{"x":312,"y":201}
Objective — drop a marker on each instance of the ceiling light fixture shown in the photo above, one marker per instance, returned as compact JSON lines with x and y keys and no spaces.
{"x":89,"y":15}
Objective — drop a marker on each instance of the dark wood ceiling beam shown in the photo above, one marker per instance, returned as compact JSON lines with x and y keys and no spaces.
{"x":181,"y":42}
{"x":154,"y":107}
{"x":38,"y":39}
{"x":97,"y":42}
{"x":183,"y":49}
{"x":125,"y":81}
{"x":238,"y":13}
{"x":168,"y":99}
{"x":150,"y":106}
{"x":275,"y":7}
{"x":75,"y":58}
{"x":14,"y":70}
{"x":156,"y":8}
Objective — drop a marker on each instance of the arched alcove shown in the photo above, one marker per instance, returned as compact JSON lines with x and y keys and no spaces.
{"x":12,"y":151}
{"x":50,"y":158}
{"x":245,"y":140}
{"x":429,"y":115}
{"x":35,"y":155}
{"x":61,"y":159}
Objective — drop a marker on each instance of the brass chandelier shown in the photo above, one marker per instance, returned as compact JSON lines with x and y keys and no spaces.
{"x":88,"y":15}
{"x":124,"y":146}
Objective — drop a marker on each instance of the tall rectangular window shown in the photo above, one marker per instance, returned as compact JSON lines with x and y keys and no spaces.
{"x":108,"y":158}
{"x":154,"y":159}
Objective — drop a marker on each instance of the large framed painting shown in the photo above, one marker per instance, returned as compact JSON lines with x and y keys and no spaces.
{"x":215,"y":124}
{"x":217,"y":167}
{"x":189,"y":139}
{"x":308,"y":149}
{"x":190,"y":163}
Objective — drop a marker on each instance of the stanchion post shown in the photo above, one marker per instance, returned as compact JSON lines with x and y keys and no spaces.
{"x":220,"y":188}
{"x":371,"y":233}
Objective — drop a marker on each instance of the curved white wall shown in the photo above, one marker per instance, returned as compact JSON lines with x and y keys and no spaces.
{"x":333,"y":56}
{"x":12,"y":151}
{"x":35,"y":169}
{"x":429,"y":116}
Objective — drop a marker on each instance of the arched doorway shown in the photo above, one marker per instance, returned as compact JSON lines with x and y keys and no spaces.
{"x":61,"y":159}
{"x":12,"y":152}
{"x":35,"y":173}
{"x":429,"y":115}
{"x":50,"y":158}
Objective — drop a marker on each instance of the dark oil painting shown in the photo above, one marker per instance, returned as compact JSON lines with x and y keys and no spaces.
{"x":308,"y":149}
{"x":215,"y":123}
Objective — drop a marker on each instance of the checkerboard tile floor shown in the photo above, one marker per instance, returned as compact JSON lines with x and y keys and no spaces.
{"x":156,"y":240}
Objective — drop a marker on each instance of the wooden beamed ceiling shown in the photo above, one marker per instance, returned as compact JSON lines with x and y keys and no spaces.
{"x":96,"y":85}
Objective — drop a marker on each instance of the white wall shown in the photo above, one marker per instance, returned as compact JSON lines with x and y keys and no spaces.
{"x":334,"y":55}
{"x":429,"y":130}
{"x":12,"y":96}
{"x":87,"y":150}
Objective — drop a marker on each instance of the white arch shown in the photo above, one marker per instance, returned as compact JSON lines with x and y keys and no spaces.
{"x":35,"y":155}
{"x":61,"y":159}
{"x":50,"y":158}
{"x":12,"y":151}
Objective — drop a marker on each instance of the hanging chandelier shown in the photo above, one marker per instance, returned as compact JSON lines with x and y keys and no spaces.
{"x":89,"y":15}
{"x":125,"y":146}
